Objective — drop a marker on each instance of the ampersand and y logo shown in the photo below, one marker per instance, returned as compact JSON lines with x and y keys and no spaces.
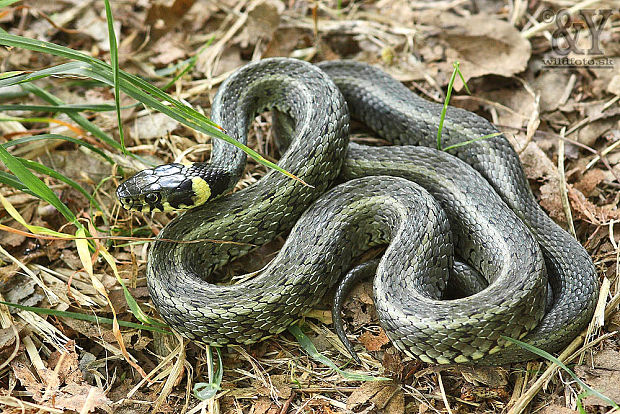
{"x":565,"y":22}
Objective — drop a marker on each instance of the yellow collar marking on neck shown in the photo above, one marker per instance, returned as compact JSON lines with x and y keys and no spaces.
{"x":201,"y":190}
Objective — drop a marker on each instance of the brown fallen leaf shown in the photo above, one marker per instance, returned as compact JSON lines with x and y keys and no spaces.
{"x":605,"y":378}
{"x":265,"y":406}
{"x":587,"y":184}
{"x":28,"y":380}
{"x":229,"y":60}
{"x":386,"y":397}
{"x":7,"y":342}
{"x":556,"y":409}
{"x":520,"y":102}
{"x":154,"y":125}
{"x":484,"y":45}
{"x":95,"y":26}
{"x":493,"y":377}
{"x":473,"y":393}
{"x":360,"y":306}
{"x":595,"y":129}
{"x":395,"y":367}
{"x":550,"y":85}
{"x":540,"y":168}
{"x":588,"y":211}
{"x":66,"y":365}
{"x":374,"y":342}
{"x":613,"y":86}
{"x":285,"y":40}
{"x":63,"y":386}
{"x":280,"y":384}
{"x":162,"y":17}
{"x":168,"y":49}
{"x":263,"y":20}
{"x":80,"y":397}
{"x":551,"y":202}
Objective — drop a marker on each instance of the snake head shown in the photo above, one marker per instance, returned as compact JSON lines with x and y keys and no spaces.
{"x":173,"y":187}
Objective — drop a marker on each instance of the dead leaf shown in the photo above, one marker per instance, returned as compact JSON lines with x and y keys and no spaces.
{"x":473,"y":393}
{"x":68,"y":371}
{"x":265,"y":406}
{"x":494,"y":377}
{"x":614,"y":85}
{"x":374,"y":342}
{"x":588,"y":211}
{"x":556,"y":409}
{"x":168,"y":50}
{"x":229,"y":60}
{"x":79,"y":397}
{"x":550,"y":85}
{"x":7,"y":340}
{"x":395,"y":367}
{"x":386,"y":397}
{"x":282,"y":385}
{"x":154,"y":126}
{"x":61,"y":387}
{"x":96,"y":26}
{"x":589,"y":133}
{"x":285,"y":40}
{"x":605,"y":378}
{"x":279,"y":383}
{"x":587,"y":184}
{"x":551,"y":202}
{"x":162,"y":18}
{"x":263,"y":20}
{"x":28,"y":380}
{"x":520,"y":102}
{"x":360,"y":306}
{"x":484,"y":45}
{"x":539,"y":167}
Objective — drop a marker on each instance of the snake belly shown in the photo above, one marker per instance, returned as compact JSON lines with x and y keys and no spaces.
{"x":474,"y":200}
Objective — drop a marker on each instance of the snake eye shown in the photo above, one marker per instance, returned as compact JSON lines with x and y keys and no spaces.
{"x":127,"y":200}
{"x":152,"y":198}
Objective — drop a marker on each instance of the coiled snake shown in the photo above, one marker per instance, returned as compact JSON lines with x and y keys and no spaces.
{"x":427,"y":205}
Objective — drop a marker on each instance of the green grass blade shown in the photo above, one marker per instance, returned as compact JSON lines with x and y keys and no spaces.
{"x":46,"y":47}
{"x":35,"y":185}
{"x":4,"y":3}
{"x":311,"y":350}
{"x":460,"y":144}
{"x":40,"y":168}
{"x":206,"y":390}
{"x":134,"y":87}
{"x":137,"y":310}
{"x":6,"y":95}
{"x":62,"y":108}
{"x":446,"y":101}
{"x":44,"y":137}
{"x":115,"y":70}
{"x":10,"y":73}
{"x":169,"y":70}
{"x":84,"y":317}
{"x":560,"y":364}
{"x":12,"y":181}
{"x":80,"y":120}
{"x":445,"y":105}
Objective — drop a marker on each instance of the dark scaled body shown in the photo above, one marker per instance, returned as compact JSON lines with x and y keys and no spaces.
{"x":475,"y":203}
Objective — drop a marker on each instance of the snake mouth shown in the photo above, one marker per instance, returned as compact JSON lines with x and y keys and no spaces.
{"x":132,"y":206}
{"x":128,"y":204}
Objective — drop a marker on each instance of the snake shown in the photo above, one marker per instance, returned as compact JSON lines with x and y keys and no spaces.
{"x":438,"y":213}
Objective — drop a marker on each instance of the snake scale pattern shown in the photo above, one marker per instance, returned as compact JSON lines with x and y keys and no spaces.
{"x":472,"y":202}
